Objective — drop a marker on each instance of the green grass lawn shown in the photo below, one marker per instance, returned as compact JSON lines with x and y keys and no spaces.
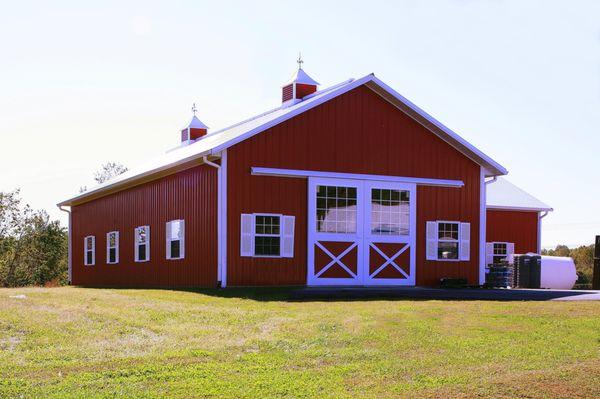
{"x":76,"y":342}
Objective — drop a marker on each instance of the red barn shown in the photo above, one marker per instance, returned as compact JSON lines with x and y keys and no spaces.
{"x":348,"y":185}
{"x":514,"y":221}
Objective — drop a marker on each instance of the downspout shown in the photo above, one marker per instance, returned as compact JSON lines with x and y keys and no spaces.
{"x":219,"y":219}
{"x":483,"y":224}
{"x":69,"y":261}
{"x":541,"y":215}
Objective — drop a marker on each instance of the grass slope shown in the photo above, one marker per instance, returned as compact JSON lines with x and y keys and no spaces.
{"x":76,"y":342}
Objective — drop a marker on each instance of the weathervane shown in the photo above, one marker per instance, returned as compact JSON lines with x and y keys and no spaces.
{"x":300,"y":62}
{"x":194,"y":108}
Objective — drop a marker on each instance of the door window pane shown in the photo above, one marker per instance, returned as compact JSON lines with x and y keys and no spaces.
{"x":390,"y":212}
{"x":336,"y":209}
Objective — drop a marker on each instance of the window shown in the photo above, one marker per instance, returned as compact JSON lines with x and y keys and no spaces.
{"x":336,"y":209}
{"x":89,"y":246}
{"x":267,"y":235}
{"x":500,"y":252}
{"x":389,"y":212}
{"x":112,"y":247}
{"x":142,"y":244}
{"x":175,"y":239}
{"x":496,"y":252}
{"x":448,"y":241}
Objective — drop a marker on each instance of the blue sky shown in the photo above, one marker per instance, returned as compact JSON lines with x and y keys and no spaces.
{"x":83,"y":84}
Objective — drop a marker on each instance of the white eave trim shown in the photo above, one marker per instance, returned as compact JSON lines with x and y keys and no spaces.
{"x":517,"y":208}
{"x":259,"y":171}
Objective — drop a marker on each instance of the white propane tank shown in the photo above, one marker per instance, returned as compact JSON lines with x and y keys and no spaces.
{"x":558,"y":272}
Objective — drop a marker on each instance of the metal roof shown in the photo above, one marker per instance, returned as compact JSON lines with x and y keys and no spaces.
{"x":502,"y":194}
{"x":214,"y":142}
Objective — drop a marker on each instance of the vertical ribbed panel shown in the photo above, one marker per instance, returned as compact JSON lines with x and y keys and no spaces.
{"x":518,"y":227}
{"x":357,"y":132}
{"x":190,"y":195}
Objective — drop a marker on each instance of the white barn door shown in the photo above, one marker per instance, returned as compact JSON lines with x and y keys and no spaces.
{"x":361,"y":232}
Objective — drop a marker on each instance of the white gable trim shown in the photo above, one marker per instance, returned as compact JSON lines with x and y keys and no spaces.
{"x":492,"y":167}
{"x":258,"y":171}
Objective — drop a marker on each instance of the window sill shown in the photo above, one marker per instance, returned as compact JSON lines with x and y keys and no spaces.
{"x":176,"y":258}
{"x":142,"y":261}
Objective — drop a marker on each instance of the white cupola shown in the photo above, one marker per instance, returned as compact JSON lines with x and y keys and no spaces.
{"x":299,"y":86}
{"x":194,"y":130}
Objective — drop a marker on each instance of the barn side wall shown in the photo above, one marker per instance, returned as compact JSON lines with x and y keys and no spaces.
{"x":190,"y":195}
{"x":518,"y":227}
{"x":357,"y":132}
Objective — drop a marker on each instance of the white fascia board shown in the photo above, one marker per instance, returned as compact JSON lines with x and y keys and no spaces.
{"x":259,"y":171}
{"x":517,"y":208}
{"x":491,"y":164}
{"x":306,"y":105}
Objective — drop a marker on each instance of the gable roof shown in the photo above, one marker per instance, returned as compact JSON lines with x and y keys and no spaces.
{"x":502,"y":194}
{"x":215,"y":142}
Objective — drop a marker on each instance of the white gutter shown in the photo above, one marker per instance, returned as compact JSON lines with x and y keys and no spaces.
{"x":541,"y":215}
{"x":221,"y":278}
{"x":70,"y":263}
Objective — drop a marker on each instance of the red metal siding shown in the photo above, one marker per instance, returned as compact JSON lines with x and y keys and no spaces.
{"x":190,"y":195}
{"x":357,"y":132}
{"x":518,"y":227}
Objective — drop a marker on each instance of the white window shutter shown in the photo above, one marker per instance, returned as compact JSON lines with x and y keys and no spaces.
{"x":118,"y":247}
{"x":93,"y":250}
{"x":431,"y":249}
{"x":465,"y":241}
{"x":489,"y":253}
{"x":108,"y":247}
{"x":510,"y":252}
{"x":287,"y":247}
{"x":136,"y":239}
{"x":147,"y":243}
{"x":182,"y":238}
{"x":247,"y":235}
{"x":168,"y":240}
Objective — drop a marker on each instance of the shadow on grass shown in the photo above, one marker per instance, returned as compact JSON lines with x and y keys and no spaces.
{"x":321,"y":294}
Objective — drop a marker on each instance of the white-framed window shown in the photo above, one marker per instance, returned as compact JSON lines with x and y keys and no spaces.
{"x":112,"y":247}
{"x":89,"y":250}
{"x":448,"y":240}
{"x":175,"y":239}
{"x":267,"y":235}
{"x":142,"y":244}
{"x":496,"y":252}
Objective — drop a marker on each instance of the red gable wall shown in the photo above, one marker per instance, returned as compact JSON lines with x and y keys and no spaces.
{"x":190,"y":195}
{"x":357,"y":132}
{"x":520,"y":228}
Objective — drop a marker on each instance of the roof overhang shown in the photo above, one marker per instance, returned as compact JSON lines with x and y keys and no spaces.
{"x":517,"y":208}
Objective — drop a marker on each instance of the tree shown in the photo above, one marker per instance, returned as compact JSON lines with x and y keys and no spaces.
{"x":33,"y":249}
{"x":108,"y":171}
